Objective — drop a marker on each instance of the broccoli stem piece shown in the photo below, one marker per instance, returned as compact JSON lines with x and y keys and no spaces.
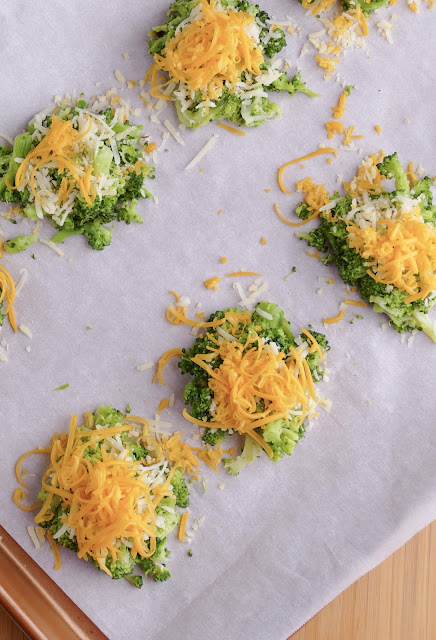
{"x":20,"y":243}
{"x":391,"y":168}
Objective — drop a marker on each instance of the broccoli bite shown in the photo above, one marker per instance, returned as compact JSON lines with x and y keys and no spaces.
{"x":121,"y":524}
{"x":217,"y":85}
{"x":383,"y":242}
{"x":251,"y":376}
{"x":82,"y":166}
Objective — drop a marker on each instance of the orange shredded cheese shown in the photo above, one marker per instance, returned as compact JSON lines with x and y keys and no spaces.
{"x":412,"y":6}
{"x":293,"y":224}
{"x":155,"y":86}
{"x":263,"y":240}
{"x":307,"y":157}
{"x":378,"y":128}
{"x":338,"y":110}
{"x":211,"y":51}
{"x":54,"y":547}
{"x":349,"y":137}
{"x":101,"y":499}
{"x":355,"y":303}
{"x":163,"y":404}
{"x":411,"y":175}
{"x":163,"y":360}
{"x":235,"y":274}
{"x":19,"y":495}
{"x":230,"y":129}
{"x":316,"y":254}
{"x":326,"y":63}
{"x":315,"y":194}
{"x":182,"y":526}
{"x":315,"y":346}
{"x":251,"y":372}
{"x":57,"y":147}
{"x":192,"y":323}
{"x":150,"y":147}
{"x":212,"y":283}
{"x":400,"y":252}
{"x":333,"y":127}
{"x":335,"y":319}
{"x":7,"y":293}
{"x":360,"y":183}
{"x":223,"y":260}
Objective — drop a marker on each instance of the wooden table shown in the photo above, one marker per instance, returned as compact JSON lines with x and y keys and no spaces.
{"x":395,"y":601}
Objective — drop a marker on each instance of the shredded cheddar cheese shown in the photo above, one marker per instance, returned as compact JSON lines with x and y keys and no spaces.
{"x":411,"y":175}
{"x":318,"y":152}
{"x":251,"y":373}
{"x":7,"y":293}
{"x":58,"y":147}
{"x":211,"y":51}
{"x":337,"y":318}
{"x":182,"y":526}
{"x":401,"y":252}
{"x":355,"y":303}
{"x":54,"y":547}
{"x":163,"y":360}
{"x":235,"y":274}
{"x":338,"y":110}
{"x":212,"y":283}
{"x":230,"y":129}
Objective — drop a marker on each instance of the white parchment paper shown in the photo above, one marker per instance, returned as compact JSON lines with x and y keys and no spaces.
{"x":282,"y":540}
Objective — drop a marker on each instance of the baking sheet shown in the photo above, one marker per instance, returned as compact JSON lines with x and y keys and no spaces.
{"x":279,"y":541}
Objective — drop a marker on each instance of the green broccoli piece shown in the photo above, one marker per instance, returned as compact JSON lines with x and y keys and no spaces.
{"x":303,"y":211}
{"x":170,"y":520}
{"x":178,"y":12}
{"x":282,"y":437}
{"x":391,"y":167}
{"x":8,"y":169}
{"x":135,"y":580}
{"x":294,"y":85}
{"x":275,"y":44}
{"x":20,"y":243}
{"x":62,"y":235}
{"x":314,"y":238}
{"x":199,"y":397}
{"x":2,"y":315}
{"x":123,"y":565}
{"x":277,"y":329}
{"x":157,"y":572}
{"x":214,"y":437}
{"x":250,"y":451}
{"x":367,"y":7}
{"x":180,"y":489}
{"x":106,"y":416}
{"x":98,"y":236}
{"x":129,"y":213}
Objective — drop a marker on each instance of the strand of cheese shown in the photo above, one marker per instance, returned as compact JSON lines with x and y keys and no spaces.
{"x":163,"y":360}
{"x":238,"y":132}
{"x":315,"y":346}
{"x":193,"y":323}
{"x":182,"y":526}
{"x":335,"y":318}
{"x":18,"y":497}
{"x":54,"y":547}
{"x":306,"y":157}
{"x":242,"y":273}
{"x":355,"y":303}
{"x":211,"y":51}
{"x":7,"y":293}
{"x":314,"y":215}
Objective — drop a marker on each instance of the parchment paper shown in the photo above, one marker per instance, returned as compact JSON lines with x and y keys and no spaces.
{"x":282,"y":540}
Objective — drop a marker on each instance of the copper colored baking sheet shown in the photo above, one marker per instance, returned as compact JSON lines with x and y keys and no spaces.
{"x":38,"y":605}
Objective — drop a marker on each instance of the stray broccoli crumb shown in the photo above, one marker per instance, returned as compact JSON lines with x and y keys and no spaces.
{"x":63,"y":386}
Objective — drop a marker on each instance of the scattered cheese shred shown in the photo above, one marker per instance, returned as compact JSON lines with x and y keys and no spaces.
{"x":318,"y":152}
{"x":211,"y":51}
{"x":411,"y":175}
{"x":163,"y":360}
{"x":54,"y":547}
{"x":182,"y":526}
{"x":7,"y":293}
{"x":234,"y":274}
{"x":338,"y":110}
{"x":227,"y":127}
{"x":378,"y":128}
{"x":293,"y":224}
{"x":192,"y":323}
{"x":209,"y":144}
{"x":212,"y":283}
{"x":355,"y":303}
{"x":335,"y":319}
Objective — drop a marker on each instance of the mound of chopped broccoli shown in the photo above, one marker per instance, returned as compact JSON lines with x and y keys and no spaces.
{"x":119,"y":561}
{"x":240,"y":104}
{"x":332,"y":236}
{"x":84,"y":188}
{"x":269,"y":323}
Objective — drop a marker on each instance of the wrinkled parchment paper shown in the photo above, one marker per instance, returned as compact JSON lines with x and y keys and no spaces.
{"x":279,"y":541}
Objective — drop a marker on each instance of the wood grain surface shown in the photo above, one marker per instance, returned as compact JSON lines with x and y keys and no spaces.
{"x":395,"y":601}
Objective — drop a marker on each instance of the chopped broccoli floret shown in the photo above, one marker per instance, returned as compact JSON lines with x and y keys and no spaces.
{"x":294,"y":85}
{"x":98,"y":236}
{"x":180,"y":489}
{"x":123,"y":565}
{"x":135,"y":580}
{"x":106,"y":416}
{"x":250,"y":451}
{"x":20,"y":243}
{"x":282,"y":437}
{"x":391,"y":167}
{"x":156,"y":571}
{"x":214,"y":437}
